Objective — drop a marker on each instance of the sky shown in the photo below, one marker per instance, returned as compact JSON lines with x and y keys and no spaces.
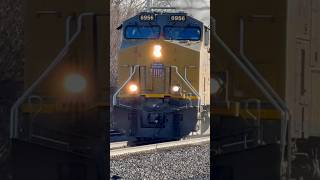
{"x":199,"y":9}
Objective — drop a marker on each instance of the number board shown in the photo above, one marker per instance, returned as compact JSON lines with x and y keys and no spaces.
{"x":147,"y":17}
{"x":178,"y":18}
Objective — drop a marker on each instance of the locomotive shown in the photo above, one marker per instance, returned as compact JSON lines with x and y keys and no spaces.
{"x":58,"y":123}
{"x":266,"y":90}
{"x":164,"y":77}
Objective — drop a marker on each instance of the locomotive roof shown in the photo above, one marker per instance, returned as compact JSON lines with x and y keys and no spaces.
{"x":163,"y":19}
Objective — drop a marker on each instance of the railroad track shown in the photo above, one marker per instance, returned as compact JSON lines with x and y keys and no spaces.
{"x":151,"y":147}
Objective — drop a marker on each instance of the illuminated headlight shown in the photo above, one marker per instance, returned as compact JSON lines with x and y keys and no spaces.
{"x":157,"y":51}
{"x":75,"y":83}
{"x":133,"y":88}
{"x":175,"y":89}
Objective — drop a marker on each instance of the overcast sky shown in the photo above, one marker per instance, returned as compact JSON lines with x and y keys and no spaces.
{"x":200,"y":9}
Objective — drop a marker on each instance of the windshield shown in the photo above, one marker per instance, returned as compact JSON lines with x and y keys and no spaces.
{"x":182,"y":33}
{"x":142,"y":32}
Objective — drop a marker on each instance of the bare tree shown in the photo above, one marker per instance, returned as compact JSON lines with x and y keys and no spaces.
{"x":120,"y":11}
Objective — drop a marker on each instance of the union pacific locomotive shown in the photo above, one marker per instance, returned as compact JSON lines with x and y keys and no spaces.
{"x":58,"y":123}
{"x":164,"y":77}
{"x":266,"y":90}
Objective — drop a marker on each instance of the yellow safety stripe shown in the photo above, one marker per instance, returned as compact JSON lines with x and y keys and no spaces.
{"x":235,"y":111}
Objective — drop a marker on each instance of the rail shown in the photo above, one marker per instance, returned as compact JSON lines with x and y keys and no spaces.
{"x":194,"y":91}
{"x":158,"y":146}
{"x":185,"y":72}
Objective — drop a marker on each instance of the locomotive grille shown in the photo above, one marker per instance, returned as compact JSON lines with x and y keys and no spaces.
{"x":157,"y":70}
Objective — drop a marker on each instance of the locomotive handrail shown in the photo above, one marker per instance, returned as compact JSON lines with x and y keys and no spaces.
{"x":247,"y":101}
{"x":256,"y":73}
{"x":285,"y":114}
{"x":189,"y":85}
{"x":36,"y":113}
{"x":185,"y":72}
{"x":114,"y":98}
{"x":257,"y":117}
{"x":45,"y":73}
{"x":185,"y":81}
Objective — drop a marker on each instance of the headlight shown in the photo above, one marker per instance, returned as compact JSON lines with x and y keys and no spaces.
{"x":133,"y":88}
{"x":75,"y":83}
{"x":157,"y":51}
{"x":175,"y":89}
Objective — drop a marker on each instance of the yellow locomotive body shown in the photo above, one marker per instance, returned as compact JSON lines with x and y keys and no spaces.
{"x":279,"y":39}
{"x":195,"y":64}
{"x":56,"y":124}
{"x":65,"y":75}
{"x":162,"y":69}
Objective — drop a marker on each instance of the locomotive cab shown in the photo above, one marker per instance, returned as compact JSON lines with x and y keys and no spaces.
{"x":163,"y":76}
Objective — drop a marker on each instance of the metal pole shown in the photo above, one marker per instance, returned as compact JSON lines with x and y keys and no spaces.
{"x":67,"y":37}
{"x":254,"y":70}
{"x":194,"y":91}
{"x":114,"y":98}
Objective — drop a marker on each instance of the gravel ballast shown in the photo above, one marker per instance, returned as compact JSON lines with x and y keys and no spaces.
{"x":191,"y":162}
